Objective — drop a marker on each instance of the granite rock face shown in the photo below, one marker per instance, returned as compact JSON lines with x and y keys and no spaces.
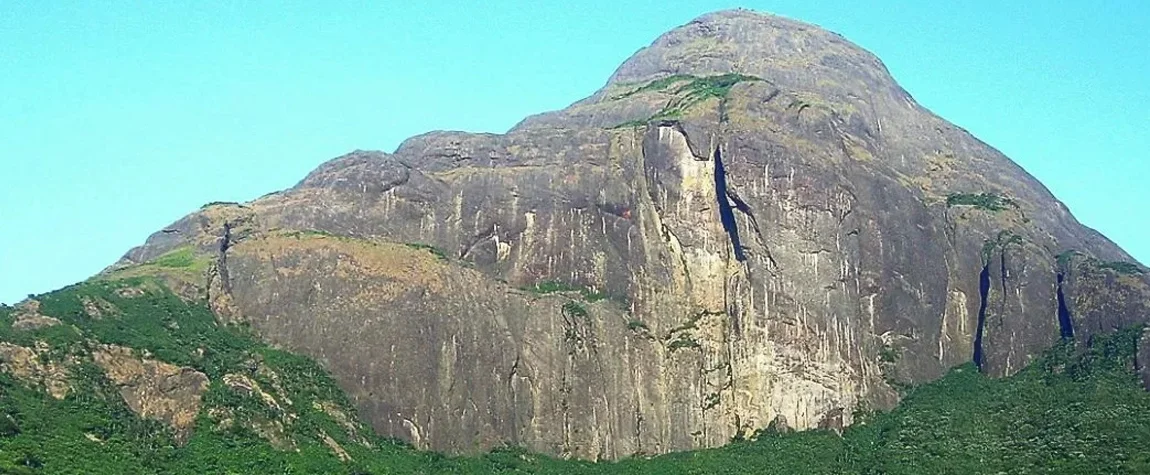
{"x":35,"y":366}
{"x":155,"y":389}
{"x":763,"y":225}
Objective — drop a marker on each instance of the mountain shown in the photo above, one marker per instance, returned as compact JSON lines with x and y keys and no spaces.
{"x":750,"y":225}
{"x":761,"y":223}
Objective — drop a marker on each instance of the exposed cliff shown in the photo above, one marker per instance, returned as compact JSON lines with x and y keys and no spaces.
{"x":750,"y":222}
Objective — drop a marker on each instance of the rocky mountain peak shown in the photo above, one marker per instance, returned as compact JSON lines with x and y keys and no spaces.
{"x":750,"y":224}
{"x":789,"y":53}
{"x":801,"y":60}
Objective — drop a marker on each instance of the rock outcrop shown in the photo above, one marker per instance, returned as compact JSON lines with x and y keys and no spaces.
{"x":750,"y":223}
{"x":154,"y":389}
{"x":28,"y":317}
{"x":36,"y":367}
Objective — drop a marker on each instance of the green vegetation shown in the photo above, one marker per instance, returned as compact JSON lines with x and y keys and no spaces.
{"x":999,"y":243}
{"x":550,"y":287}
{"x":181,"y":258}
{"x":887,"y":354}
{"x":92,"y":430}
{"x":1073,"y":411}
{"x":1121,"y":267}
{"x":701,"y":86}
{"x":712,"y":400}
{"x":554,"y":286}
{"x":799,"y":105}
{"x":987,"y":201}
{"x":575,"y":309}
{"x":680,"y":338}
{"x":437,"y":252}
{"x":184,"y":263}
{"x":695,"y":90}
{"x":714,"y":86}
{"x":630,"y":124}
{"x":656,"y":85}
{"x":219,"y":203}
{"x":302,"y":233}
{"x":692,"y":322}
{"x":305,"y":233}
{"x":1065,"y":258}
{"x":699,"y":90}
{"x":1128,"y":268}
{"x":681,"y":341}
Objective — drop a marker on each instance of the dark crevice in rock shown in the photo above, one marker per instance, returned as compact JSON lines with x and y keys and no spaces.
{"x":477,"y":240}
{"x":678,"y":127}
{"x":1065,"y":320}
{"x":1142,"y":358}
{"x":514,"y":370}
{"x":723,"y":117}
{"x":511,"y":375}
{"x":638,"y":429}
{"x":726,"y":211}
{"x":226,"y":239}
{"x":614,"y":209}
{"x":771,"y":96}
{"x":565,"y":404}
{"x":1002,"y":279}
{"x":218,"y":282}
{"x":984,"y":299}
{"x":670,"y":236}
{"x":742,"y":207}
{"x":222,"y":263}
{"x":729,"y":202}
{"x":840,"y":136}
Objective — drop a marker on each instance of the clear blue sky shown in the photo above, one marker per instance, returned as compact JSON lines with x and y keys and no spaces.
{"x":117,"y":118}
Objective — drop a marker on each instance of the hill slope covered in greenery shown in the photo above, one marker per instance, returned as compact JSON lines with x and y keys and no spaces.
{"x":123,"y":376}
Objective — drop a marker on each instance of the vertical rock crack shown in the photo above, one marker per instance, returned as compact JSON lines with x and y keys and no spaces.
{"x":729,"y":202}
{"x":726,"y":210}
{"x":1065,"y":320}
{"x":984,"y":299}
{"x":222,"y":264}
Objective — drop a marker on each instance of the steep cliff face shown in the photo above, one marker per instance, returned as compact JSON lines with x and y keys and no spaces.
{"x":751,"y":222}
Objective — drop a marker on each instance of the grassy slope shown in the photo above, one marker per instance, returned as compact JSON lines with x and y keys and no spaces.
{"x":1071,"y":412}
